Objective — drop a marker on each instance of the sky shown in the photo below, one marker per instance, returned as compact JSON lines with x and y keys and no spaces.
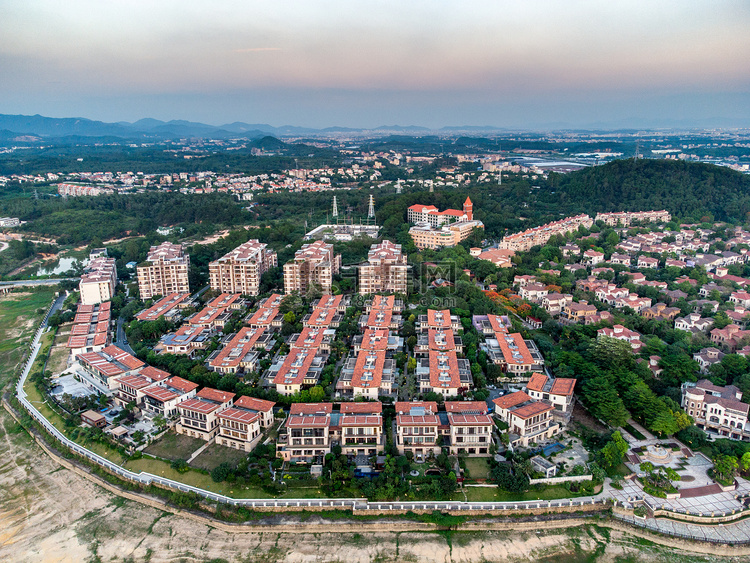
{"x":359,"y":63}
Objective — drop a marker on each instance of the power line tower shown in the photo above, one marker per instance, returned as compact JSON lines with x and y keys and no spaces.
{"x":398,"y":186}
{"x":335,"y":213}
{"x":371,"y":209}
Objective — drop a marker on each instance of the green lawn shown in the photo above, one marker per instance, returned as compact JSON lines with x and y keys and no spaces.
{"x":478,"y":467}
{"x":216,"y":454}
{"x":18,"y":322}
{"x":173,"y":446}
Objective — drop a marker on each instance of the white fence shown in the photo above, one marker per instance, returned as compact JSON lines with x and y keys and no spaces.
{"x":558,"y":480}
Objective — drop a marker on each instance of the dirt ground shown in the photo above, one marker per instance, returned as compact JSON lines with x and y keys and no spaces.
{"x":50,"y":514}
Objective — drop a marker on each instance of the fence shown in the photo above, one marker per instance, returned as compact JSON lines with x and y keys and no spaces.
{"x":654,"y":526}
{"x":562,"y":479}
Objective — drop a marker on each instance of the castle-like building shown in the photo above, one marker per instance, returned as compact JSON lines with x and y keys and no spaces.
{"x":430,"y":214}
{"x":435,"y":229}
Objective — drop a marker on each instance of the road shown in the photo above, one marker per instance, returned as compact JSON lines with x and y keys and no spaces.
{"x":121,"y":340}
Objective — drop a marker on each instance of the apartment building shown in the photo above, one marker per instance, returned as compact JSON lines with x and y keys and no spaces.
{"x":556,"y":391}
{"x":241,"y":352}
{"x":162,"y":399}
{"x":470,"y":428}
{"x":241,"y":425}
{"x":314,"y":265}
{"x":512,"y":353}
{"x":198,"y":415}
{"x":625,"y":218}
{"x":367,"y":374}
{"x":426,"y":236}
{"x":525,"y":240}
{"x":91,"y":329}
{"x":529,"y":421}
{"x":429,"y":214}
{"x":419,"y":429}
{"x":443,"y":372}
{"x":99,"y":280}
{"x":306,"y":435}
{"x":438,"y":340}
{"x":130,"y":387}
{"x":240,"y":270}
{"x":165,"y":271}
{"x":168,"y":307}
{"x":99,"y":370}
{"x":439,"y":319}
{"x":717,"y":410}
{"x":299,"y":368}
{"x":385,"y":271}
{"x":186,"y":340}
{"x":358,"y":428}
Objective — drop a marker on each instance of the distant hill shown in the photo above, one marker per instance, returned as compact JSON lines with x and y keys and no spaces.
{"x":149,"y":127}
{"x":52,"y":127}
{"x":685,"y":189}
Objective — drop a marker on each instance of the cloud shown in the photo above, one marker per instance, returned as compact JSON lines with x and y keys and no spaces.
{"x":257,"y":50}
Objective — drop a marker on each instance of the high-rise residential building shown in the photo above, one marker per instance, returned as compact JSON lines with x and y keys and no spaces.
{"x":313,"y":265}
{"x":240,"y":270}
{"x":98,"y":283}
{"x":165,"y":271}
{"x":385,"y":271}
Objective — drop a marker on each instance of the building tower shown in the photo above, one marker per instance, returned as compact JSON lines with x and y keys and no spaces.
{"x":371,"y":210}
{"x":469,"y":209}
{"x":335,"y":209}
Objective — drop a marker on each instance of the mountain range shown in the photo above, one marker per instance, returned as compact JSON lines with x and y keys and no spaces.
{"x":50,"y":127}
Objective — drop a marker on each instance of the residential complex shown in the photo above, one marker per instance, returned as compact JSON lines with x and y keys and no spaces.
{"x":717,"y":410}
{"x":165,"y":271}
{"x":526,"y":240}
{"x":314,"y":265}
{"x":429,"y":214}
{"x":99,"y":280}
{"x":625,"y":218}
{"x":385,"y":271}
{"x":426,"y":236}
{"x":240,"y":270}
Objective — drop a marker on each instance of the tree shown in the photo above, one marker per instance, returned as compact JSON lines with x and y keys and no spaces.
{"x":603,"y":401}
{"x":745,"y":463}
{"x":725,"y":466}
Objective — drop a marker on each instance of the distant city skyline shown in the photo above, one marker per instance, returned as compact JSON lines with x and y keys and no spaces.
{"x":367,"y":64}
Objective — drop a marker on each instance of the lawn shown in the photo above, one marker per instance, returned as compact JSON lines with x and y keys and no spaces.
{"x":18,"y":321}
{"x":478,"y":467}
{"x":173,"y":446}
{"x":216,"y":454}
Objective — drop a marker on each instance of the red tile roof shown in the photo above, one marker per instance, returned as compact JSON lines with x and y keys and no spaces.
{"x":215,"y":395}
{"x":254,"y":404}
{"x":310,"y":408}
{"x":511,"y":400}
{"x":361,"y":408}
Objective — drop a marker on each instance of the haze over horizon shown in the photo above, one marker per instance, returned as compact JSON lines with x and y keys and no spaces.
{"x":368,"y":64}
